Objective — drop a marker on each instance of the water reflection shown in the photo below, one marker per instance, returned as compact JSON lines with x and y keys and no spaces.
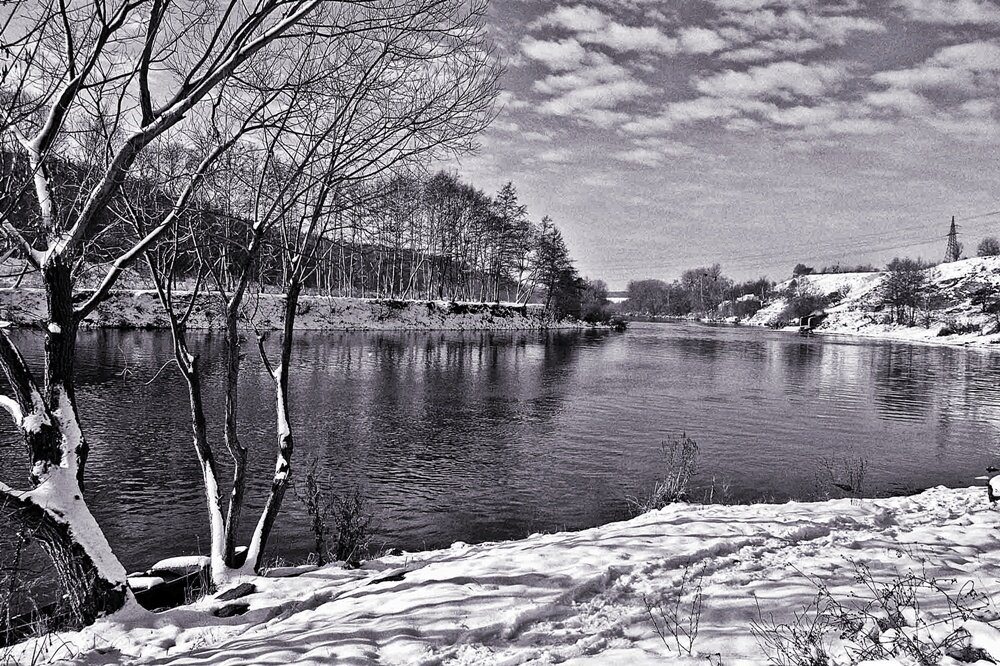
{"x":903,"y":381}
{"x":487,"y":436}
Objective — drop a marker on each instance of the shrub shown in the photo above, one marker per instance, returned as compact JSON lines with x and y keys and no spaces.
{"x":680,"y":457}
{"x":746,"y":308}
{"x":677,"y":617}
{"x":31,"y":603}
{"x":988,"y":247}
{"x":846,"y":475}
{"x":955,"y":326}
{"x":802,"y":301}
{"x":908,"y":617}
{"x":837,"y":268}
{"x":903,"y":288}
{"x":988,"y":299}
{"x":345,"y":519}
{"x":353,"y":522}
{"x":466,"y":308}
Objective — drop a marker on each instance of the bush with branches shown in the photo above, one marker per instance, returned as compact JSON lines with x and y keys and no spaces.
{"x":909,"y":616}
{"x":679,"y":462}
{"x":342,"y":524}
{"x":988,"y":247}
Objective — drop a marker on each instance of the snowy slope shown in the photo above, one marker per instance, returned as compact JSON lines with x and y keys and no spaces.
{"x":582,"y":598}
{"x":858,"y":311}
{"x":142,"y":309}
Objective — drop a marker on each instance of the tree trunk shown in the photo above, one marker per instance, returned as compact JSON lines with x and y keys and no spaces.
{"x":92,"y":579}
{"x":188,"y":364}
{"x":54,"y":511}
{"x":236,"y":450}
{"x":60,"y":352}
{"x":283,"y":466}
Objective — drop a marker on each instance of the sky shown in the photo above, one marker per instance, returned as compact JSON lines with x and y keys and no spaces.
{"x":662,"y":135}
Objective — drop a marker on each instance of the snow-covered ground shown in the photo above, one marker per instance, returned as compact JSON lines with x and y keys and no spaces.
{"x":142,"y":309}
{"x":857,"y":311}
{"x":586,"y":597}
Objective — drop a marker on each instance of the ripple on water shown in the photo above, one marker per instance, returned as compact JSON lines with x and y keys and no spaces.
{"x":469,"y":437}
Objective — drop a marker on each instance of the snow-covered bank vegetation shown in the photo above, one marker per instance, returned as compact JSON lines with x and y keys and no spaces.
{"x":142,"y":309}
{"x":909,"y":580}
{"x":955,"y":303}
{"x":951,"y":303}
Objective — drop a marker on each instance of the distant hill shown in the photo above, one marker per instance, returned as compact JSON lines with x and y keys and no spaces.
{"x":857,"y":305}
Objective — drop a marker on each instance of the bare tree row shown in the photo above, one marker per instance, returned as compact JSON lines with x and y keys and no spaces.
{"x":407,"y":236}
{"x":120,"y":118}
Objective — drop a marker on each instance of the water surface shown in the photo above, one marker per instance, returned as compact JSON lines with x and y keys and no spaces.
{"x":479,"y":436}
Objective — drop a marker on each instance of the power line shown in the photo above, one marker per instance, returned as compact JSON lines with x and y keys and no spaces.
{"x":856,"y":243}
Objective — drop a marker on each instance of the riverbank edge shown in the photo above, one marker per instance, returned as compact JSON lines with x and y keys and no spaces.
{"x":490,"y":603}
{"x":905,"y":334}
{"x":141,"y":309}
{"x":910,"y":335}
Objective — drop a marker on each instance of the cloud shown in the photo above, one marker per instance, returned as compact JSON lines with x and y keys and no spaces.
{"x":578,"y":18}
{"x":508,"y":100}
{"x":642,"y":156}
{"x":679,"y":113}
{"x":592,"y":91}
{"x":555,"y":55}
{"x":596,"y":95}
{"x":556,"y":156}
{"x":803,"y":116}
{"x":701,"y":40}
{"x":592,"y":26}
{"x":761,"y":31}
{"x":785,"y":95}
{"x":774,"y":48}
{"x":784,"y":80}
{"x":899,"y":99}
{"x":653,"y":152}
{"x":951,"y":92}
{"x":952,"y":12}
{"x":972,"y":67}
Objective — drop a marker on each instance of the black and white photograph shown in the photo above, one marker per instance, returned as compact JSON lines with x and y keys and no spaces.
{"x":500,"y":332}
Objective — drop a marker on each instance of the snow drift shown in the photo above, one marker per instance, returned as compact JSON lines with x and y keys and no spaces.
{"x":596,"y":596}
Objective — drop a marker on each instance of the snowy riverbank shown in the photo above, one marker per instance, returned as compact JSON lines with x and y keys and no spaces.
{"x":142,"y":309}
{"x":586,"y":597}
{"x":856,"y":307}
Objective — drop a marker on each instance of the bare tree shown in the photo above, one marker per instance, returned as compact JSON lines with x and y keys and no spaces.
{"x":414,"y":79}
{"x":96,"y":84}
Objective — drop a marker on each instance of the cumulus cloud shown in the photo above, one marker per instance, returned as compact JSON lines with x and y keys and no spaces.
{"x":592,"y":26}
{"x":556,"y":55}
{"x":757,"y":64}
{"x":653,"y":151}
{"x":680,"y":113}
{"x":785,"y":80}
{"x":897,"y":99}
{"x":557,"y":156}
{"x":803,"y":116}
{"x":642,"y":156}
{"x":761,"y":31}
{"x":701,"y":40}
{"x":583,"y":84}
{"x":781,"y":95}
{"x":971,"y":67}
{"x":952,"y":12}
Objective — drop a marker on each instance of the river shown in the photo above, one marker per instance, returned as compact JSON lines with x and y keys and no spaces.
{"x":484,"y":436}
